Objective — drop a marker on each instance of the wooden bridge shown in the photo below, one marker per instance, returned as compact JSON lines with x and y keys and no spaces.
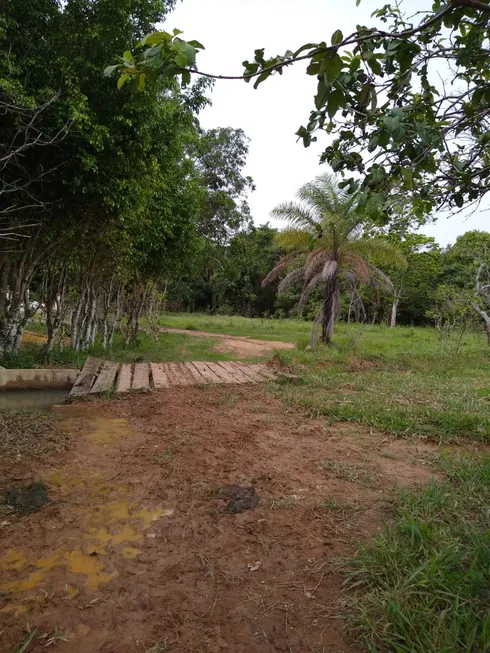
{"x":104,"y":376}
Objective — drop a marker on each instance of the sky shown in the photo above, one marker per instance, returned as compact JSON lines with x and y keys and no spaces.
{"x":231,"y":30}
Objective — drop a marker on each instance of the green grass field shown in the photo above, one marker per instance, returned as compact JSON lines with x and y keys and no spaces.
{"x":396,"y":381}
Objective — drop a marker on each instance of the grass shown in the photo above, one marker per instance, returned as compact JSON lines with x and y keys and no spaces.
{"x":394,"y":380}
{"x":422,"y":586}
{"x":282,"y":503}
{"x":350,"y":472}
{"x":168,"y":347}
{"x":32,"y":434}
{"x":287,"y":330}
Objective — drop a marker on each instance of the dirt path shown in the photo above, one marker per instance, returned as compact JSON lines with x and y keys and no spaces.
{"x":242,"y":345}
{"x":140,"y":545}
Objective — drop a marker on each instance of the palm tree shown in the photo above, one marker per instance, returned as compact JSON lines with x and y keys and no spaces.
{"x":324,"y":241}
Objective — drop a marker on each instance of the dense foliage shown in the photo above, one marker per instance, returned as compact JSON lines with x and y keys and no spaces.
{"x":406,"y":99}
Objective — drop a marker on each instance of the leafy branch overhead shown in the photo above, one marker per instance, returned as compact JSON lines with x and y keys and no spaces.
{"x":159,"y":55}
{"x":406,"y":106}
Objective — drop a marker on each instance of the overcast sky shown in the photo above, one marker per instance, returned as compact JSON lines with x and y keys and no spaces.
{"x":231,"y":30}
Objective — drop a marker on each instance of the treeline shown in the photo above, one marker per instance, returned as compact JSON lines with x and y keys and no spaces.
{"x":104,"y":192}
{"x":438,"y":283}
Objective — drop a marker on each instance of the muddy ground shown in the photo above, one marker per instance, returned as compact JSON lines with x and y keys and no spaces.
{"x":138,"y":551}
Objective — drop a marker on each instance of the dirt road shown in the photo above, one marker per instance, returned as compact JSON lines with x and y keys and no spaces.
{"x":143,"y":548}
{"x":242,"y":346}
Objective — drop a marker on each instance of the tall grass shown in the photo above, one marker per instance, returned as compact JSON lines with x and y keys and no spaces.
{"x":423,"y":585}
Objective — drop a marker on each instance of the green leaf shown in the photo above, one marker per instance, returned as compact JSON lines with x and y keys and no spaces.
{"x":313,"y":68}
{"x":332,"y":64}
{"x":155,"y":38}
{"x":110,"y":69}
{"x":336,"y":100}
{"x":323,"y":91}
{"x":185,"y":53}
{"x":407,"y":177}
{"x":141,"y":82}
{"x":337,"y":37}
{"x":458,"y":200}
{"x":358,"y":2}
{"x":306,"y":46}
{"x":176,"y":31}
{"x":263,"y":76}
{"x":196,"y":45}
{"x":122,"y":80}
{"x":127,"y":55}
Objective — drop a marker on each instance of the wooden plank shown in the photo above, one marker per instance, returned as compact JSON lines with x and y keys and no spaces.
{"x":226,"y":375}
{"x":160,"y":378}
{"x":87,"y":376}
{"x":245,"y":369}
{"x":194,"y":373}
{"x":106,"y":378}
{"x":176,"y":375}
{"x":263,"y":370}
{"x":207,"y":373}
{"x":124,"y":379}
{"x":141,"y":377}
{"x":237,"y":375}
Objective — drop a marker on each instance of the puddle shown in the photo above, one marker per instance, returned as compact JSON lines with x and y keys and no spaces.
{"x":107,"y":527}
{"x":110,"y":529}
{"x":37,"y":400}
{"x":97,"y":429}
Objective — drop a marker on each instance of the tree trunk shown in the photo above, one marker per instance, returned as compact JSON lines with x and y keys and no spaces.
{"x":330,"y":309}
{"x":394,"y":310}
{"x":485,"y":317}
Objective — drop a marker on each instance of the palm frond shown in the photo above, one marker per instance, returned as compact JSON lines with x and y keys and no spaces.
{"x":357,"y":265}
{"x":301,"y":215}
{"x":329,"y":271}
{"x":279,"y":268}
{"x":315,"y":262}
{"x":378,"y":250}
{"x":290,"y":278}
{"x":294,"y":239}
{"x":379,"y":278}
{"x":308,"y":288}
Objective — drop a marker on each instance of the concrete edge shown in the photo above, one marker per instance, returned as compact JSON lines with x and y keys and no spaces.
{"x":32,"y":379}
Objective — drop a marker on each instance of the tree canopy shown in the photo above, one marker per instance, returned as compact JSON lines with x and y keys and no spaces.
{"x":405,"y":100}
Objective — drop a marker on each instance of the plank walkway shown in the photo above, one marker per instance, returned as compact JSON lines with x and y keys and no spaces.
{"x":98,"y":376}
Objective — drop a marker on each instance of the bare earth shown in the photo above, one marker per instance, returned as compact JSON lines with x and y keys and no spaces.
{"x":240,"y":345}
{"x":136,"y":547}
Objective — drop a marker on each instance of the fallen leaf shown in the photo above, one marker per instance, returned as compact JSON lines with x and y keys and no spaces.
{"x":253,"y":566}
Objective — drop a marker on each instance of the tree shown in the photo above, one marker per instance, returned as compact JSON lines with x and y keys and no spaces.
{"x":325,"y":241}
{"x":392,"y":123}
{"x":221,"y":155}
{"x":122,"y":205}
{"x":467,"y":267}
{"x":413,"y":286}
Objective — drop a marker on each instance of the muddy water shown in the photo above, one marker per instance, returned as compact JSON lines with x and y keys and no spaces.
{"x":39,"y":400}
{"x":100,"y":524}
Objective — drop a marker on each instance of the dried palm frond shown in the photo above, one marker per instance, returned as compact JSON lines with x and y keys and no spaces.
{"x":307,"y":289}
{"x":358,"y":266}
{"x":276,"y":271}
{"x":379,"y":278}
{"x":329,"y":271}
{"x":315,"y":262}
{"x":289,"y":279}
